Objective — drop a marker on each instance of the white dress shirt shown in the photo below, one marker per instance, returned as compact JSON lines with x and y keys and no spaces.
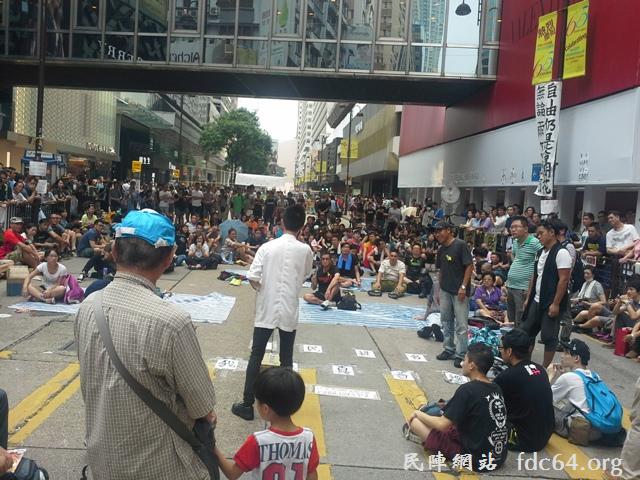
{"x":280,"y":266}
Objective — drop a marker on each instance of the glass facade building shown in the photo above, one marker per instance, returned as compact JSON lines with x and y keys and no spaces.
{"x":382,"y":37}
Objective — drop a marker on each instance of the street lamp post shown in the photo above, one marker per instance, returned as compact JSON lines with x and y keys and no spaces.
{"x":348,"y":183}
{"x":42,"y":55}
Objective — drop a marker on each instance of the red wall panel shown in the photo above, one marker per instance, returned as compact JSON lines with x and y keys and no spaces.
{"x":613,"y":65}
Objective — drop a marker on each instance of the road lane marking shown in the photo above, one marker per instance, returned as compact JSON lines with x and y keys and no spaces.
{"x":38,"y":419}
{"x":569,"y":453}
{"x":409,"y":397}
{"x":310,"y":416}
{"x":37,"y":399}
{"x":6,"y":355}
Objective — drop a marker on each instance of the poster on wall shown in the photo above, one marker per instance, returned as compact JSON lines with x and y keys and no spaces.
{"x":575,"y":45}
{"x":547,"y":106}
{"x":545,"y":47}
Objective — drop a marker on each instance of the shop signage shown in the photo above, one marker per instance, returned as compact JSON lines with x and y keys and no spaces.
{"x":575,"y":45}
{"x":545,"y":46}
{"x":94,"y":147}
{"x":547,"y":105}
{"x":136,"y":166}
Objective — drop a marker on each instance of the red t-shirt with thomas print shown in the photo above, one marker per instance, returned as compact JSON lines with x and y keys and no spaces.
{"x":276,"y":455}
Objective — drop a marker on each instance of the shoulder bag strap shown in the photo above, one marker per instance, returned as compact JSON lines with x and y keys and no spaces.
{"x":159,"y":408}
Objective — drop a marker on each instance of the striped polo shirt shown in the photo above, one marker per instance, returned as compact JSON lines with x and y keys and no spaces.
{"x":524,"y":259}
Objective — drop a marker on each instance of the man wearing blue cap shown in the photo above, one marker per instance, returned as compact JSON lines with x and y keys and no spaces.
{"x":156,"y":342}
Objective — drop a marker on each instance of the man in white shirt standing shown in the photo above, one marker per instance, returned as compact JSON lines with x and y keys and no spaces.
{"x":621,"y":237}
{"x":277,"y":274}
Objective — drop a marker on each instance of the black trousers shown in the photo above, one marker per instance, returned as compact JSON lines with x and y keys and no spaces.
{"x":4,"y":419}
{"x":260,"y":338}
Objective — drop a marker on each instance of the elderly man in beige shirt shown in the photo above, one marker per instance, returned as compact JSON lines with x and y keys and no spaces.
{"x":157,"y":343}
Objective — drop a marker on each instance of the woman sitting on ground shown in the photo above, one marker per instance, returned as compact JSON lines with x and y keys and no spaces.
{"x":198,"y":257}
{"x":50,"y":289}
{"x":241,"y":252}
{"x":487,"y":298}
{"x":591,"y":297}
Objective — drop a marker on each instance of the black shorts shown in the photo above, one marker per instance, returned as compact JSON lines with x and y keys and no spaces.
{"x":539,"y":321}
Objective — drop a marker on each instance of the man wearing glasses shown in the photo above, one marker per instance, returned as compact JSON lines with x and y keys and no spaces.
{"x":523,"y":255}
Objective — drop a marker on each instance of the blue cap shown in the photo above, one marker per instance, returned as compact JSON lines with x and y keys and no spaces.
{"x":148,"y":225}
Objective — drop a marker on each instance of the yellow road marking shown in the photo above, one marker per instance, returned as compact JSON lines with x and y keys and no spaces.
{"x":409,"y":397}
{"x":36,"y":420}
{"x":212,"y":371}
{"x":40,"y":397}
{"x":569,"y":453}
{"x":6,"y":355}
{"x":626,"y":419}
{"x":407,"y":393}
{"x":309,"y":414}
{"x":324,"y":472}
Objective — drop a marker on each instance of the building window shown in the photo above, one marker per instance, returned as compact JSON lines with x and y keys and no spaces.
{"x":87,"y":13}
{"x":186,"y":15}
{"x":153,"y":16}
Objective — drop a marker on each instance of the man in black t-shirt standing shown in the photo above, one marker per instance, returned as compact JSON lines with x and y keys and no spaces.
{"x":527,"y":394}
{"x":455,"y":264}
{"x":325,"y":280}
{"x":474,"y":421}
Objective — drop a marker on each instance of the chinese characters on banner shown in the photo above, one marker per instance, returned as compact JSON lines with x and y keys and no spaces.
{"x":575,"y":49}
{"x":545,"y":47}
{"x":548,"y":97}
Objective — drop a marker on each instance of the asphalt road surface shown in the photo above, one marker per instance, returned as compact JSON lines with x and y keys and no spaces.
{"x":356,"y":412}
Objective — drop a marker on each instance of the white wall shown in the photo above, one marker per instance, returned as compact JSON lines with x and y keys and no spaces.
{"x":606,"y":130}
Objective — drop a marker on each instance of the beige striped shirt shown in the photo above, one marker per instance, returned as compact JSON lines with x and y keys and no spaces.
{"x":157,"y":343}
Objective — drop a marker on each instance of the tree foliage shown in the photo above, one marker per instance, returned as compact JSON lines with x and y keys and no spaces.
{"x":239,"y":134}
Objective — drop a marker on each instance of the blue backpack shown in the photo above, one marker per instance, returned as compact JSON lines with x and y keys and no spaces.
{"x":605,"y":410}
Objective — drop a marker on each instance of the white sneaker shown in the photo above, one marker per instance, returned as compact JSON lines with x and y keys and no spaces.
{"x":325,"y":305}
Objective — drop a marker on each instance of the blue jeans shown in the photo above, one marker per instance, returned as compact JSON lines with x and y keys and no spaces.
{"x":454,"y":316}
{"x":180,"y":260}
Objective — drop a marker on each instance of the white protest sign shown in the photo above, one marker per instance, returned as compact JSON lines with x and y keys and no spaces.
{"x":346,"y":392}
{"x":402,"y":375}
{"x":41,"y":188}
{"x":227,"y":364}
{"x":39,"y":169}
{"x":312,"y":348}
{"x":365,"y":353}
{"x":343,"y":370}
{"x":415,"y":357}
{"x":454,"y":378}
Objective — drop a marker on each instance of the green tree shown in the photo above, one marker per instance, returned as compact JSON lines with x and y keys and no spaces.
{"x":239,"y":134}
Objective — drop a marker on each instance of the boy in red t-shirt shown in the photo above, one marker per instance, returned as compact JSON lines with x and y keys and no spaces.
{"x":284,"y":451}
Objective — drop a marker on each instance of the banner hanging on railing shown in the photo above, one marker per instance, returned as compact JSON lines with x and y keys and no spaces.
{"x":548,"y":96}
{"x":575,"y":49}
{"x":545,"y":48}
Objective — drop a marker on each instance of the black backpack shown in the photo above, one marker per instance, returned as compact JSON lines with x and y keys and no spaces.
{"x":348,"y":302}
{"x":28,"y":470}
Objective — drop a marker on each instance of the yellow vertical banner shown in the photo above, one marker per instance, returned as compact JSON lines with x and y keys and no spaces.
{"x":545,"y":46}
{"x":575,"y":45}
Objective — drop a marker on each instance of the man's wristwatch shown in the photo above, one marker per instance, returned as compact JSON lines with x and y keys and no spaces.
{"x":463,"y":287}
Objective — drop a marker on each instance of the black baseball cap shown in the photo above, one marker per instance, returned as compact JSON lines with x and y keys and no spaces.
{"x":441,"y":225}
{"x":578,"y":348}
